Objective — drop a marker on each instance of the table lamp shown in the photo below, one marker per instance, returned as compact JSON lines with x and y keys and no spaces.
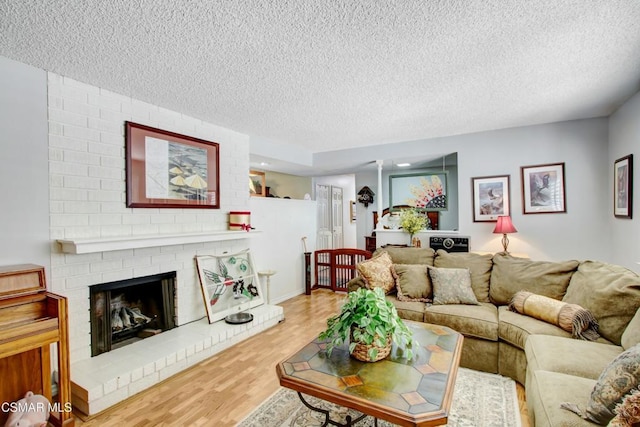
{"x":504,"y":227}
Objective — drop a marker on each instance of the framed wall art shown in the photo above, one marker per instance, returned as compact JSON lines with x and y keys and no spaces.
{"x":168,"y":170}
{"x":623,"y":186}
{"x":426,"y":191}
{"x":490,"y":197}
{"x":229,"y":283}
{"x":543,"y":189}
{"x":257,"y":184}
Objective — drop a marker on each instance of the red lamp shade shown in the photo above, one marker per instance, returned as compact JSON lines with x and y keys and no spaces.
{"x":504,"y":226}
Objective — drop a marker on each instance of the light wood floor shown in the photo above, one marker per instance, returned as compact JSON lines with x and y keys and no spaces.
{"x":222,"y":390}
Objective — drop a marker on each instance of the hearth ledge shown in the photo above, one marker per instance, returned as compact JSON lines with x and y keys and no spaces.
{"x":105,"y":244}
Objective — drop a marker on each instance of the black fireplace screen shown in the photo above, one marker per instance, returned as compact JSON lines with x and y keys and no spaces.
{"x":127,"y":311}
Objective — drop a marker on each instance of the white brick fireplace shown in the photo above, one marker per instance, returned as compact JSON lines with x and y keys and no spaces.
{"x":104,"y":241}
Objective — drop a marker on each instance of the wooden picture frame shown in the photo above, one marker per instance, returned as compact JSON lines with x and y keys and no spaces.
{"x":229,"y":284}
{"x":543,"y":188}
{"x":169,"y":170}
{"x":623,"y":187}
{"x":491,"y":197}
{"x":257,"y":184}
{"x":426,"y":191}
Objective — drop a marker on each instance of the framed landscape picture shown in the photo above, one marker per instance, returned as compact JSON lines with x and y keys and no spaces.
{"x":168,"y":170}
{"x":543,"y":189}
{"x":623,"y":186}
{"x":490,"y":197}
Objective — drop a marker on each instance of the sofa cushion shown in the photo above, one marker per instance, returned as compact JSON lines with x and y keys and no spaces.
{"x":631,"y":335}
{"x":479,"y":266}
{"x":511,"y":274}
{"x":409,"y":255}
{"x":412,"y":282}
{"x":547,"y":390}
{"x":480,"y":321}
{"x":569,"y":356}
{"x":619,"y":377}
{"x":570,"y":317}
{"x":610,"y":292}
{"x":409,"y":310}
{"x":514,"y":328}
{"x":452,"y":286}
{"x":376,"y":272}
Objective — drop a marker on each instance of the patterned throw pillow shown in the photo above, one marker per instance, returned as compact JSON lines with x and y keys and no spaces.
{"x":376,"y":272}
{"x":452,"y":286}
{"x":620,"y":377}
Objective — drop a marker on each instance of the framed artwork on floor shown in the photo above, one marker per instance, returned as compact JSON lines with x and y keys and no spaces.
{"x":623,"y":186}
{"x":491,"y":197}
{"x":229,"y":283}
{"x":543,"y":189}
{"x":168,"y":170}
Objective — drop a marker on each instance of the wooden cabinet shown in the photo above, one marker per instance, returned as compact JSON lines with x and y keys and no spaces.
{"x":33,"y":323}
{"x":370,"y":243}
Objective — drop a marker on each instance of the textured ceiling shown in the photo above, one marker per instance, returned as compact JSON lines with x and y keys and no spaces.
{"x":328,"y":75}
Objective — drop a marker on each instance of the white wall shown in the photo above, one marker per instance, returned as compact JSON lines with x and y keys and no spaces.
{"x":580,"y":233}
{"x":348,"y":185}
{"x":282,"y":224}
{"x":624,"y":139}
{"x":88,"y":199}
{"x":24,"y":170}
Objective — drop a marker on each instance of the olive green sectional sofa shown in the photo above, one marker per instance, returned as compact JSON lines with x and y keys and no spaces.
{"x":553,"y":366}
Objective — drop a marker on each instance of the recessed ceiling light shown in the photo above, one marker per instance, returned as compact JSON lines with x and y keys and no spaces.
{"x":403,"y":165}
{"x":264,"y":164}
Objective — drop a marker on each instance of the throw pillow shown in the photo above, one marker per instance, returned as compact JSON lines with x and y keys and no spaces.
{"x":479,"y":265}
{"x":510,"y":275}
{"x":610,"y":292}
{"x":452,"y":286}
{"x":412,"y":282}
{"x":627,"y":412}
{"x":631,"y":335}
{"x":570,"y":317}
{"x":376,"y":272}
{"x":620,"y":377}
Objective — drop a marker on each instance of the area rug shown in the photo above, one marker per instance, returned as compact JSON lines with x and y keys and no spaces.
{"x":479,"y":400}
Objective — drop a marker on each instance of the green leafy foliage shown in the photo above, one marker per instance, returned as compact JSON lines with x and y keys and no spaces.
{"x":373,"y":318}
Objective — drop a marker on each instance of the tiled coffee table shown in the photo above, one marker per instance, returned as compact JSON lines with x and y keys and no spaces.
{"x":416,"y":392}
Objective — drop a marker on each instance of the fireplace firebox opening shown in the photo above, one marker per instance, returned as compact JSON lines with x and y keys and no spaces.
{"x":127,"y":311}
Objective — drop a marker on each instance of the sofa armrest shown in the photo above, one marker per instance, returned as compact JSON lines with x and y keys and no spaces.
{"x":355,"y":284}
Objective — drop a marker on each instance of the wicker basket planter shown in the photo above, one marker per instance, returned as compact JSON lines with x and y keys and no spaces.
{"x":369,"y":322}
{"x":362,"y":352}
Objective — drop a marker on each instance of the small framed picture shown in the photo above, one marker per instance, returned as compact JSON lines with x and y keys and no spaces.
{"x":490,"y":197}
{"x":257,"y":184}
{"x":543,"y":189}
{"x":623,"y":186}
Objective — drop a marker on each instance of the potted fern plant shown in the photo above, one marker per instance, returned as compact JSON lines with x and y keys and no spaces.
{"x":371,"y":324}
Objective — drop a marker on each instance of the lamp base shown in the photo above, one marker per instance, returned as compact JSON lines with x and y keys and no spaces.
{"x":505,"y":242}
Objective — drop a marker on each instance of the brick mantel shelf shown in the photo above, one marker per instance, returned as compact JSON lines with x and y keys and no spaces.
{"x":105,"y":244}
